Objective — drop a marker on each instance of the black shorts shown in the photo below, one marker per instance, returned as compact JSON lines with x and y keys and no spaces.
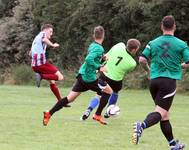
{"x":163,"y":91}
{"x":82,"y":86}
{"x":115,"y":85}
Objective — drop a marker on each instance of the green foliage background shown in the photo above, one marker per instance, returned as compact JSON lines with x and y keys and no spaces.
{"x":75,"y":19}
{"x":122,"y":19}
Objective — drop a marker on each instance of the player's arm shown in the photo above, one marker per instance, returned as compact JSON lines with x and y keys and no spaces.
{"x":144,"y":63}
{"x":185,"y":65}
{"x":91,"y":57}
{"x":48,"y":42}
{"x":143,"y":58}
{"x":104,"y":59}
{"x":30,"y":53}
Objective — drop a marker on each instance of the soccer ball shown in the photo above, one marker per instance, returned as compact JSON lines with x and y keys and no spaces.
{"x":113,"y":110}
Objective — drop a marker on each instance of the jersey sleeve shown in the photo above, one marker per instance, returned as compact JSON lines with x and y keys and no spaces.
{"x":186,"y":54}
{"x":147,"y":51}
{"x":90,"y":58}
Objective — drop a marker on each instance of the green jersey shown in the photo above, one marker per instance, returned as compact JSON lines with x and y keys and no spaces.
{"x":166,"y":53}
{"x":119,"y":62}
{"x":92,"y":62}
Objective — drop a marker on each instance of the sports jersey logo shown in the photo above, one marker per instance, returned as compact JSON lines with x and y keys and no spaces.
{"x":165,"y":47}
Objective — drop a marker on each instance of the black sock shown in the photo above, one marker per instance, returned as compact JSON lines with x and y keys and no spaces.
{"x":90,"y":108}
{"x":152,"y":119}
{"x":103,"y":101}
{"x":59,"y":105}
{"x":166,"y":128}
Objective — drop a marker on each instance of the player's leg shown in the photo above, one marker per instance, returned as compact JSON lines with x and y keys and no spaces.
{"x":166,"y":129}
{"x":38,"y":78}
{"x":60,"y":76}
{"x":103,"y":80}
{"x":163,"y":101}
{"x":50,"y":72}
{"x":166,"y":103}
{"x":63,"y":102}
{"x":93,"y":104}
{"x":113,"y":98}
{"x":55,"y":89}
{"x":47,"y":71}
{"x":107,"y":91}
{"x":151,"y":119}
{"x":99,"y":86}
{"x":116,"y":87}
{"x":73,"y":94}
{"x":103,"y":101}
{"x":59,"y":105}
{"x":96,"y":86}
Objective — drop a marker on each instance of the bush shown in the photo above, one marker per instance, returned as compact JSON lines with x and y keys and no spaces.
{"x":136,"y":79}
{"x":183,"y":85}
{"x":22,"y":74}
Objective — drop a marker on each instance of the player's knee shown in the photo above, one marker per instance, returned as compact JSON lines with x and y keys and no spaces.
{"x":162,"y":111}
{"x":166,"y":116}
{"x":60,"y":77}
{"x":52,"y":82}
{"x":108,"y":90}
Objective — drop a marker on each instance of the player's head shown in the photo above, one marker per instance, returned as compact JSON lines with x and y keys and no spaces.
{"x":48,"y":29}
{"x":168,"y":23}
{"x":98,"y":33}
{"x":133,"y":46}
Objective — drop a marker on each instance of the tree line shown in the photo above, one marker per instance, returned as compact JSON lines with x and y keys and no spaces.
{"x":74,"y":20}
{"x":122,"y":19}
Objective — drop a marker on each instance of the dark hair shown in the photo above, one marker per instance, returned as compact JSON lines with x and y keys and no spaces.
{"x":133,"y":44}
{"x":46,"y":26}
{"x":168,"y":22}
{"x":98,"y":32}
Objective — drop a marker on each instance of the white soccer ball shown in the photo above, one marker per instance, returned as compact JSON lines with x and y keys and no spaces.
{"x":113,"y":110}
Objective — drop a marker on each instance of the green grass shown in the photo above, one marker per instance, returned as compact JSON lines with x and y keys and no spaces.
{"x":21,"y":127}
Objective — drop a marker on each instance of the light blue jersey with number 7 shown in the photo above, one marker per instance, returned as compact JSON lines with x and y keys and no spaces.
{"x":119,"y":62}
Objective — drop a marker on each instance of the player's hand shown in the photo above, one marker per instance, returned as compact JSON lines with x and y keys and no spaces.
{"x":103,"y":69}
{"x":55,"y":45}
{"x":148,"y":74}
{"x":105,"y":57}
{"x":30,"y":53}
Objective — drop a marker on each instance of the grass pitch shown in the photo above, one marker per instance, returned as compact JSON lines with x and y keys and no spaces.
{"x":21,"y":112}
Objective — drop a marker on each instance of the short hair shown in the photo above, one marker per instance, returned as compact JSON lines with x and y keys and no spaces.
{"x":46,"y":26}
{"x":133,"y":44}
{"x":98,"y":32}
{"x":168,"y":22}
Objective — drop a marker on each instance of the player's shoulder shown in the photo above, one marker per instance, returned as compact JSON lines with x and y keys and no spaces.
{"x":180,"y":41}
{"x":95,"y":47}
{"x":40,"y":35}
{"x":119,"y":45}
{"x":155,"y":39}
